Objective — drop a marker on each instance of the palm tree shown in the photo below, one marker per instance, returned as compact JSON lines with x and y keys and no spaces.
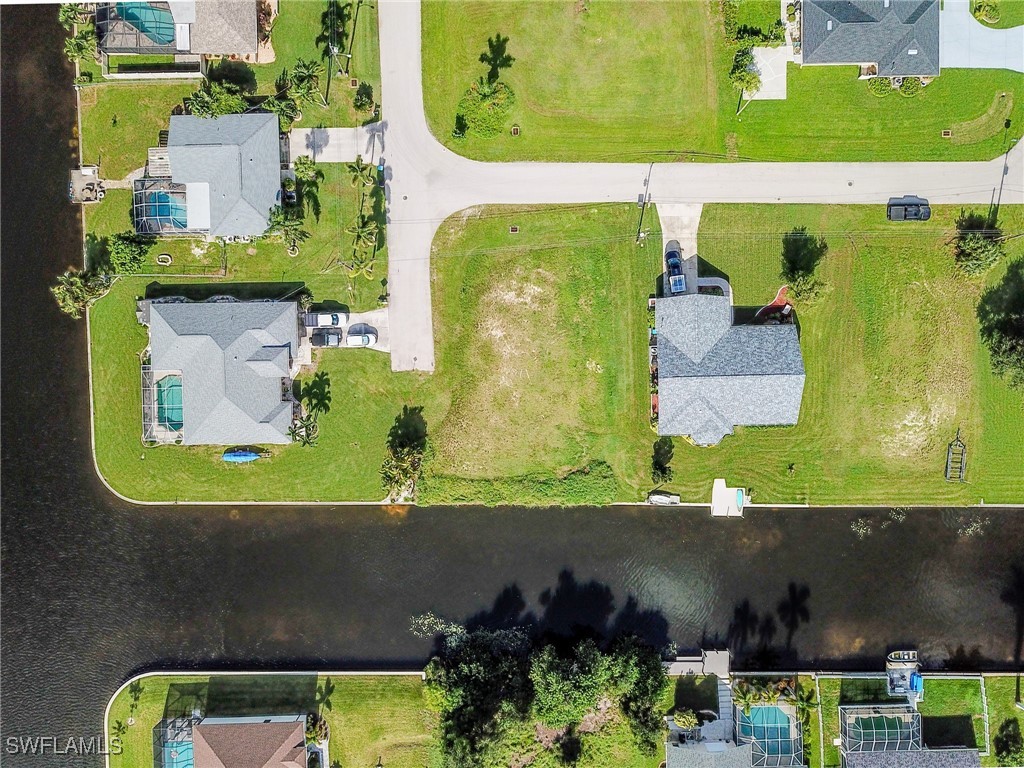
{"x":317,"y":394}
{"x":745,"y":696}
{"x":805,"y":704}
{"x":80,"y":46}
{"x":287,"y":227}
{"x":364,"y":231}
{"x":305,"y":430}
{"x":71,"y":14}
{"x":793,"y":610}
{"x":75,"y":291}
{"x":770,"y":694}
{"x":286,"y":109}
{"x":306,"y":170}
{"x":363,"y":174}
{"x":306,"y":79}
{"x":323,"y":695}
{"x":362,"y":264}
{"x":399,"y":471}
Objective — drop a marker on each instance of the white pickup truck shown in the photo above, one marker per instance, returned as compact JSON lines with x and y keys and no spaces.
{"x":324,"y":319}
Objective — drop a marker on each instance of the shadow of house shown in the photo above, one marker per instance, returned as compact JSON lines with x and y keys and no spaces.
{"x":240,"y":291}
{"x":947,"y":731}
{"x":251,"y":695}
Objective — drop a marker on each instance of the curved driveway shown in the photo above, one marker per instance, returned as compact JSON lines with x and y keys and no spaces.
{"x":426,"y":183}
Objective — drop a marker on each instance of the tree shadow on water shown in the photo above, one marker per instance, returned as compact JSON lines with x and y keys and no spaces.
{"x":572,"y":610}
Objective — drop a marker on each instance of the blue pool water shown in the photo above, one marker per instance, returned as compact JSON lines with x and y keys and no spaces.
{"x":168,"y":406}
{"x":177,"y":754}
{"x":773,"y":734}
{"x":155,"y":23}
{"x":160,"y":206}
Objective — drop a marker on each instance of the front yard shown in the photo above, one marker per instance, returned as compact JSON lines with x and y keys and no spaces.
{"x":586,"y":90}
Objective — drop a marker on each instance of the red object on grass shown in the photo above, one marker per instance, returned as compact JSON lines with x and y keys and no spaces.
{"x":776,"y":304}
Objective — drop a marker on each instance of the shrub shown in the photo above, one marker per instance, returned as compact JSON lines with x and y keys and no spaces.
{"x":686,"y":719}
{"x":363,"y":100}
{"x":911,"y":86}
{"x":126,"y":253}
{"x":75,"y":291}
{"x":484,"y":109}
{"x":790,"y":9}
{"x":317,"y":729}
{"x":743,"y":75}
{"x":880,"y":86}
{"x":216,"y":99}
{"x":986,"y":11}
{"x":975,"y":252}
{"x":1001,"y":317}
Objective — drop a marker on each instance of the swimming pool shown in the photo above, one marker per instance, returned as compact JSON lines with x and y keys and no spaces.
{"x":155,"y":23}
{"x":169,"y":412}
{"x":177,"y":754}
{"x":774,"y":734}
{"x":166,"y":209}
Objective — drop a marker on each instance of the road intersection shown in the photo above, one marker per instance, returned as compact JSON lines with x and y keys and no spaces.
{"x":426,"y":182}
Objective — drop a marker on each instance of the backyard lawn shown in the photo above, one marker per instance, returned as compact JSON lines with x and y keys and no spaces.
{"x":893,"y":359}
{"x":122,"y":120}
{"x":952,"y":713}
{"x":1002,"y":692}
{"x":586,"y":91}
{"x":371,"y":717}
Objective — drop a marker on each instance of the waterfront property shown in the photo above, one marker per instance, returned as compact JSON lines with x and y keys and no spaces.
{"x":263,"y":742}
{"x":888,"y":38}
{"x":773,"y":733}
{"x":219,"y":372}
{"x":883,"y":735}
{"x":178,"y":27}
{"x":217,"y":177}
{"x":714,"y":375}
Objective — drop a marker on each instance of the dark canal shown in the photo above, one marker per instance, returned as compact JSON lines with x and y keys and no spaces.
{"x":95,"y":590}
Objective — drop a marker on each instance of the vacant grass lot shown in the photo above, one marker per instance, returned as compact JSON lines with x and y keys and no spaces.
{"x":542,"y":355}
{"x":370,"y":716}
{"x":602,"y":81}
{"x":893,"y":359}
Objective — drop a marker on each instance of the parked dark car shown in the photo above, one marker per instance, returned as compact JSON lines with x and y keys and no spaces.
{"x":908,"y":208}
{"x":326,"y":337}
{"x":676,"y":278}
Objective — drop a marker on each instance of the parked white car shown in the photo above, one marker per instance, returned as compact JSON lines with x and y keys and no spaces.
{"x":361,"y":339}
{"x":325,"y":319}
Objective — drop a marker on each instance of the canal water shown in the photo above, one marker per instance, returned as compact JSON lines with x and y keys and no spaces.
{"x":95,"y":590}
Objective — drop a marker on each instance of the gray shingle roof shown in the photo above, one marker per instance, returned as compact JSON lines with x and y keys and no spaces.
{"x":232,"y":357}
{"x":239,"y":157}
{"x":698,"y":756}
{"x":224,"y":27}
{"x":873,"y":32}
{"x":713,"y":375}
{"x":925,"y":758}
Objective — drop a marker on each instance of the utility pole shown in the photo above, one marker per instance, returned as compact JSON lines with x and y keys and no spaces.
{"x":643,"y":204}
{"x":1002,"y":178}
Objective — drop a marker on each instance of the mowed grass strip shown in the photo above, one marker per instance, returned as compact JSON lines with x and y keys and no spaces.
{"x":541,"y":353}
{"x":952,"y":713}
{"x":602,"y":80}
{"x":893,"y":359}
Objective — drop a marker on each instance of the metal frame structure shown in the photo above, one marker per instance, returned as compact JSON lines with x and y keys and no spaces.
{"x":119,"y":34}
{"x":149,"y":216}
{"x":772,"y":746}
{"x":879,"y":728}
{"x":153,"y":431}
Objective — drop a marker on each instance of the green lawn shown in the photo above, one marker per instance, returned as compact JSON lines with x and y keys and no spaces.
{"x":294,"y":37}
{"x":894,"y":365}
{"x":1011,"y":14}
{"x":1001,"y":693}
{"x":952,"y":714}
{"x":370,"y":716}
{"x":585,"y":91}
{"x":541,"y":355}
{"x":122,"y":120}
{"x":812,"y":734}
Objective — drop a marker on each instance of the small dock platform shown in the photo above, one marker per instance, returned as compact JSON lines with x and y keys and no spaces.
{"x":727,"y":501}
{"x":85,"y":185}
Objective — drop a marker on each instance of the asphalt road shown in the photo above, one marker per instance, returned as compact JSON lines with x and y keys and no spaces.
{"x":426,"y":183}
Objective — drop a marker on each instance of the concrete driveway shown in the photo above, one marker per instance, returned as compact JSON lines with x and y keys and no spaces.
{"x":966,"y":43}
{"x":375,"y":321}
{"x":336,"y":145}
{"x":679,"y":223}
